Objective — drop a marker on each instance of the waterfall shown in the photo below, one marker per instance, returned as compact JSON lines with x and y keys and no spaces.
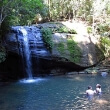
{"x":31,"y":47}
{"x":27,"y":54}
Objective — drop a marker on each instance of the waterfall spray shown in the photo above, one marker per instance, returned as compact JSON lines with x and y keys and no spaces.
{"x":27,"y":54}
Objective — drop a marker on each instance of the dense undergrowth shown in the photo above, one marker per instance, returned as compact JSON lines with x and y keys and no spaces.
{"x":68,"y":49}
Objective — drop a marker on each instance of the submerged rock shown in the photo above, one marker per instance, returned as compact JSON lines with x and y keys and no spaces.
{"x":104,"y":74}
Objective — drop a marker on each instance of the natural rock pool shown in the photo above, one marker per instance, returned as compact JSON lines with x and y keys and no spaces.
{"x":55,"y":93}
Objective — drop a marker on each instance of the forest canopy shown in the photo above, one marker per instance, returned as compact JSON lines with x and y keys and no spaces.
{"x":26,"y":12}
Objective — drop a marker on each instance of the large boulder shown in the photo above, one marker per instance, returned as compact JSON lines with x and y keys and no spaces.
{"x":87,"y":45}
{"x":42,"y":61}
{"x":89,"y":55}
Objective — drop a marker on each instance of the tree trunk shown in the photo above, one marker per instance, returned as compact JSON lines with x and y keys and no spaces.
{"x":49,"y":9}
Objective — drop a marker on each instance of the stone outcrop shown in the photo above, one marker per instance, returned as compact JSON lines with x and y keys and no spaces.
{"x":44,"y":62}
{"x":89,"y":51}
{"x":87,"y":42}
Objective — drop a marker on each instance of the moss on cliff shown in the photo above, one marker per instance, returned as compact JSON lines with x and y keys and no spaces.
{"x":68,"y":48}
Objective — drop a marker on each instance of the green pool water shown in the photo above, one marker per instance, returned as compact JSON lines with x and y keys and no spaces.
{"x":55,"y":93}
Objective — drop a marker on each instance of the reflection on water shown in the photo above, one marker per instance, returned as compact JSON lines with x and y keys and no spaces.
{"x":102,"y":101}
{"x":55,"y":93}
{"x":31,"y":80}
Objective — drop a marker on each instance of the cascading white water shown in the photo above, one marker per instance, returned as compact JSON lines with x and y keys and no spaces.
{"x":30,"y":46}
{"x":27,"y":53}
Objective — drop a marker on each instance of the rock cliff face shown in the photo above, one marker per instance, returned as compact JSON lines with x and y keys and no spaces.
{"x":87,"y":43}
{"x":37,"y":58}
{"x":25,"y":48}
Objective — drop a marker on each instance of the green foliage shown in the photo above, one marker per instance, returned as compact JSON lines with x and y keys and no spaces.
{"x":64,"y":29}
{"x":72,"y":31}
{"x":103,"y":28}
{"x":74,"y":50}
{"x":91,"y":70}
{"x":2,"y":54}
{"x":89,"y":19}
{"x":47,"y":37}
{"x":9,"y":21}
{"x":28,"y":10}
{"x":37,"y":18}
{"x":105,"y":46}
{"x":20,"y":12}
{"x":61,"y":47}
{"x":108,"y":8}
{"x":89,"y":30}
{"x":69,"y":50}
{"x":88,"y":7}
{"x":24,"y":11}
